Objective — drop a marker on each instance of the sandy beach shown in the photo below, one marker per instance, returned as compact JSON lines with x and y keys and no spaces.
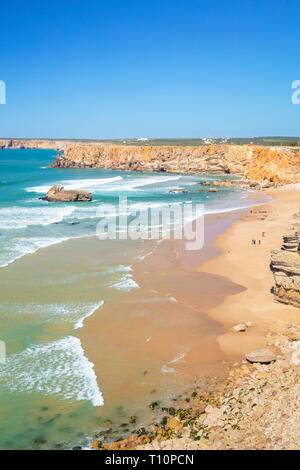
{"x":248,"y":265}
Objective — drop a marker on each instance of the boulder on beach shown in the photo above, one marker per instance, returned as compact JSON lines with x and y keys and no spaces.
{"x":263,"y":356}
{"x":59,"y":194}
{"x":241,"y":327}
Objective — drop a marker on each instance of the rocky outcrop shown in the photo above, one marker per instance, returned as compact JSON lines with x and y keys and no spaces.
{"x":211,"y":159}
{"x":59,"y":194}
{"x":277,"y":165}
{"x":285,"y":264}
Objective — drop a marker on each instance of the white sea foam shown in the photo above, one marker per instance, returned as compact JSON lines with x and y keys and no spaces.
{"x":116,"y":183}
{"x":79,"y":323}
{"x":177,"y":358}
{"x":126,"y":283}
{"x":75,"y":184}
{"x":89,"y":183}
{"x":21,"y":217}
{"x":71,"y":312}
{"x":16,"y":248}
{"x":166,"y":369}
{"x":59,"y":368}
{"x":153,"y":180}
{"x":119,"y":269}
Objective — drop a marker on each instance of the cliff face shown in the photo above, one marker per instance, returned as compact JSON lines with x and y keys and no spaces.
{"x":262,"y":164}
{"x":275,"y":165}
{"x":32,"y":144}
{"x":285,"y":264}
{"x":172,"y":159}
{"x":279,"y":165}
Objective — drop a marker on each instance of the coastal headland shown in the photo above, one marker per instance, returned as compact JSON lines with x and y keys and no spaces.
{"x":257,"y":164}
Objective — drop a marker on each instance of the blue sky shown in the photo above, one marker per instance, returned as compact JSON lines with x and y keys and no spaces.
{"x":149,"y":68}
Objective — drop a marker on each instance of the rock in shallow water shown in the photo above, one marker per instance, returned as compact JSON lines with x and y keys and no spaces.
{"x":59,"y":194}
{"x":263,"y":356}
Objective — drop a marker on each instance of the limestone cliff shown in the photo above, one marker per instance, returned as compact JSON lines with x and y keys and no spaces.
{"x":279,"y":165}
{"x":285,"y":264}
{"x":274,"y":165}
{"x":173,"y":159}
{"x":261,"y":164}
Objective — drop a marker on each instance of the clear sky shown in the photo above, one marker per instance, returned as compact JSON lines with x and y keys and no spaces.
{"x":149,"y":68}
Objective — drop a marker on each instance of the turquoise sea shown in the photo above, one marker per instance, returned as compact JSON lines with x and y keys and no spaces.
{"x":53,"y":276}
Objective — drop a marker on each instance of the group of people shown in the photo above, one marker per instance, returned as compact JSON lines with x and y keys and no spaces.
{"x":253,"y":242}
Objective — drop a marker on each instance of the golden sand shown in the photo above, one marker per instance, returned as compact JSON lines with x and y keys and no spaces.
{"x":248,"y":265}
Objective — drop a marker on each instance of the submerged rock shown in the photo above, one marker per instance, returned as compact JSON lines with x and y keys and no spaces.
{"x":178,"y":191}
{"x":59,"y":194}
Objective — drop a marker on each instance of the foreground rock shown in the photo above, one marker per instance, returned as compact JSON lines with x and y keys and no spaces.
{"x":285,"y":264}
{"x":59,"y":194}
{"x":261,"y":356}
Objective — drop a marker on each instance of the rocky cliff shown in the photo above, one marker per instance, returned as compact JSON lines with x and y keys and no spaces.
{"x":275,"y":165}
{"x":262,"y":164}
{"x":278,"y":165}
{"x":173,"y":159}
{"x":285,"y":264}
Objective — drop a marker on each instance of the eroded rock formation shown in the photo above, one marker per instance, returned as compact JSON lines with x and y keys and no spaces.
{"x":59,"y":194}
{"x":213,"y":159}
{"x":285,"y":264}
{"x":278,"y":165}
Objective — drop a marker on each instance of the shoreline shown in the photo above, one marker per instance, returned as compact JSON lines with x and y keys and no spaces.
{"x":180,"y":334}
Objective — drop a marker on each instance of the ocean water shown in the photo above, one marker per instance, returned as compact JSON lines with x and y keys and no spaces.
{"x":53,"y":277}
